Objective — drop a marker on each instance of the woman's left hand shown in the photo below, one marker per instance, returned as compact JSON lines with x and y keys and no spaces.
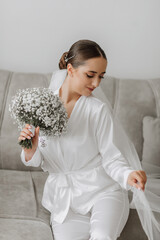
{"x":137,"y":179}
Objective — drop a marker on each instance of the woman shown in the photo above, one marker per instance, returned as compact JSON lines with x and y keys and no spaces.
{"x":86,"y":191}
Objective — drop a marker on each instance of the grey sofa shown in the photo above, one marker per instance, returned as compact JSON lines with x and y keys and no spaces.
{"x":21,"y":213}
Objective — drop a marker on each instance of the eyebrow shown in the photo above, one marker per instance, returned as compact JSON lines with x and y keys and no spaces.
{"x":96,"y":72}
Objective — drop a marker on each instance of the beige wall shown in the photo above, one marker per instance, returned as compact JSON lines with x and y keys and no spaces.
{"x":35,"y":33}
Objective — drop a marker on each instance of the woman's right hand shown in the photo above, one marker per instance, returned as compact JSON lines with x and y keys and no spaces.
{"x":26,"y":133}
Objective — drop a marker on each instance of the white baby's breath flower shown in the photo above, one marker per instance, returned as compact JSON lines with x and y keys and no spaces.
{"x":39,"y":107}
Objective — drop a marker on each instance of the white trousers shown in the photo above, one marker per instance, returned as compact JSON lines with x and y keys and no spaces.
{"x":105,"y":220}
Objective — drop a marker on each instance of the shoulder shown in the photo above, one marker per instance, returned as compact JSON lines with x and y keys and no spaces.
{"x":99,"y":111}
{"x":97,"y":105}
{"x":94,"y":102}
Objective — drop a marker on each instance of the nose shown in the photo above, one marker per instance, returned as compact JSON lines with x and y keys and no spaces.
{"x":96,"y":82}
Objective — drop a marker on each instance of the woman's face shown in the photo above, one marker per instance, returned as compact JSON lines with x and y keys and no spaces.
{"x":88,"y":76}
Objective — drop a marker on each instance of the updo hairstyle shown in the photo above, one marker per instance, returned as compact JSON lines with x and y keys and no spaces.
{"x":79,"y":52}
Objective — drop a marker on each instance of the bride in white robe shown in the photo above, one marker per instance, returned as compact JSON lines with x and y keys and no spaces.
{"x":84,"y":165}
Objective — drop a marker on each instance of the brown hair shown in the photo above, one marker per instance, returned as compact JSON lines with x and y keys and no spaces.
{"x":79,"y":52}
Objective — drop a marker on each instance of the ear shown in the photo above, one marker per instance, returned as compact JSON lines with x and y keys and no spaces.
{"x":70,"y":70}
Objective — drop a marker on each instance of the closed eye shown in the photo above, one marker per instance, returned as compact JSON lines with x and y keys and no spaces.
{"x":92,"y":76}
{"x":89,"y":76}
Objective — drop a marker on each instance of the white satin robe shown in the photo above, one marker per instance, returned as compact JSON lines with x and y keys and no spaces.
{"x":83,"y":163}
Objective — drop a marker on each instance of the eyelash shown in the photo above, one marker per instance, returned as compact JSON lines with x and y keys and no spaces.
{"x":92,"y":76}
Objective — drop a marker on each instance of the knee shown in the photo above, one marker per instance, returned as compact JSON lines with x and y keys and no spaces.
{"x":63,"y":237}
{"x":102,"y":231}
{"x":71,"y":236}
{"x":101,"y":235}
{"x":67,"y":231}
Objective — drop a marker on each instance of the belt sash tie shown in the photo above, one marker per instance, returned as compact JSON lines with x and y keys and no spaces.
{"x":57,"y":193}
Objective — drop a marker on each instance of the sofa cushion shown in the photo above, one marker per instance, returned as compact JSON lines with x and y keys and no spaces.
{"x":151,"y":143}
{"x":9,"y":83}
{"x":21,"y":208}
{"x":19,"y":229}
{"x":133,"y":228}
{"x":39,"y":179}
{"x":131,"y":99}
{"x":21,"y":193}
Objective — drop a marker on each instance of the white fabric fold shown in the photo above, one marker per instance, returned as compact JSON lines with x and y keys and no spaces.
{"x":35,"y":160}
{"x":146,"y":203}
{"x":86,"y":162}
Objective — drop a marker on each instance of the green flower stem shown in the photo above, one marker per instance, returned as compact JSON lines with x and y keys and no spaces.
{"x":27,"y":143}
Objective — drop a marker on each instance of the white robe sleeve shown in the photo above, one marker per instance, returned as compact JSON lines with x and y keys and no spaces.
{"x":113,"y":161}
{"x":36,"y":159}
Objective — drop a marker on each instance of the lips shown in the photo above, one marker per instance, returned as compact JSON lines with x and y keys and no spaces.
{"x":91,"y":89}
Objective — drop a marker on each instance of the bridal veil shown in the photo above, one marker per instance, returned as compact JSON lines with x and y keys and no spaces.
{"x":146,"y":203}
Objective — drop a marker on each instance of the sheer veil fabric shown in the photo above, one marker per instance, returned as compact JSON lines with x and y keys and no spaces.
{"x":146,"y":203}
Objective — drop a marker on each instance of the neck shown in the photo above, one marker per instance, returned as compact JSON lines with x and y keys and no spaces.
{"x":66,"y":91}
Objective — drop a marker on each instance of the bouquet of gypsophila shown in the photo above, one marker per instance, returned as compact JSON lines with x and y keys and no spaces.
{"x":39,"y":107}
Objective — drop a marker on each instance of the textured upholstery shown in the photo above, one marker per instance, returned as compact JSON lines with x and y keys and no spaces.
{"x":18,"y":229}
{"x":132,"y":100}
{"x":151,"y":144}
{"x":21,"y":187}
{"x":9,"y":84}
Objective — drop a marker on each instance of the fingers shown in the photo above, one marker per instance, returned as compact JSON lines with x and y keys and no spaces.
{"x":27,"y":125}
{"x":25,"y":133}
{"x":36,"y":137}
{"x":37,"y":131}
{"x":139,"y":180}
{"x":143,"y":175}
{"x":138,"y":186}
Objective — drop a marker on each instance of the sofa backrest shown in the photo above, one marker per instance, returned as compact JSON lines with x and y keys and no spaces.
{"x":131,"y":100}
{"x":10,"y":82}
